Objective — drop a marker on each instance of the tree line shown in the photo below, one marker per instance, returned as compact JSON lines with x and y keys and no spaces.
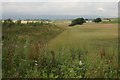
{"x":80,"y":21}
{"x":10,"y":23}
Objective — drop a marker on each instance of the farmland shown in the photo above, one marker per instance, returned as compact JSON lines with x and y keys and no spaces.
{"x":56,"y":50}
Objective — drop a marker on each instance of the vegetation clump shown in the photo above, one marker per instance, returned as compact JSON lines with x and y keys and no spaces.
{"x":78,"y":21}
{"x":8,"y":22}
{"x":97,"y":20}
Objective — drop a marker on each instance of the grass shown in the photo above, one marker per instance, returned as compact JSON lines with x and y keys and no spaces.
{"x":45,"y":52}
{"x":91,"y":38}
{"x":23,"y":44}
{"x":114,"y":20}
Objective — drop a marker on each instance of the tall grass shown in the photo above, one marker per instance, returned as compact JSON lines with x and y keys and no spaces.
{"x":79,"y":52}
{"x":22,"y":46}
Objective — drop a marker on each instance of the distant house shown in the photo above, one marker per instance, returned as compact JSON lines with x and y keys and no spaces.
{"x":24,"y":22}
{"x":14,"y":21}
{"x":106,"y":20}
{"x":31,"y":21}
{"x":88,"y":20}
{"x":2,"y":21}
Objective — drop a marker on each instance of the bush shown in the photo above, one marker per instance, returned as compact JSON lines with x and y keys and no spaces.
{"x":97,"y":20}
{"x":18,"y":22}
{"x":8,"y":22}
{"x":78,"y":21}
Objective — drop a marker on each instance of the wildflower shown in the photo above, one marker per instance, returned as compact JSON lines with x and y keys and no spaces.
{"x":35,"y":60}
{"x":36,"y":64}
{"x":70,"y":71}
{"x":80,"y":63}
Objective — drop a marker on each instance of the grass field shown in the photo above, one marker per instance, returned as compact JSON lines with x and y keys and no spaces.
{"x":59,"y":51}
{"x":91,"y":39}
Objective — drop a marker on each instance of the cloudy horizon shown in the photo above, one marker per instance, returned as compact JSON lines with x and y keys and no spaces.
{"x":59,"y":10}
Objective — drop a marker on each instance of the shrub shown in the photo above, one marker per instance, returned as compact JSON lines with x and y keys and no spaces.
{"x":78,"y":21}
{"x":18,"y":22}
{"x":97,"y":20}
{"x":8,"y":22}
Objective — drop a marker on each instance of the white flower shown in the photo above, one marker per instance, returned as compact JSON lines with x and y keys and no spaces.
{"x":80,"y":63}
{"x":35,"y":60}
{"x":36,"y":64}
{"x":70,"y":71}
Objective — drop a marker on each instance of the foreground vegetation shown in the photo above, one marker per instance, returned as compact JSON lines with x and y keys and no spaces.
{"x":22,"y":45}
{"x":84,"y":51}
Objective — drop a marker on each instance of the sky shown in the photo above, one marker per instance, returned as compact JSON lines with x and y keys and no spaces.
{"x":60,"y":0}
{"x":56,"y":9}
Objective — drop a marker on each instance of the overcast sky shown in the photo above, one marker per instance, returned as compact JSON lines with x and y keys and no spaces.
{"x":36,"y":10}
{"x":59,"y":0}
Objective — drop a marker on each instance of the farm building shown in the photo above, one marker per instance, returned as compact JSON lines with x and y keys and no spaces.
{"x":88,"y":20}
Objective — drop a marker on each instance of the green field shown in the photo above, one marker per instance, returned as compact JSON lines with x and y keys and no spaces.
{"x":90,"y":38}
{"x":59,"y":51}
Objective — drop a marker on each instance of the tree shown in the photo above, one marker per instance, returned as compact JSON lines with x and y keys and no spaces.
{"x":78,"y":21}
{"x":8,"y":23}
{"x":97,"y":20}
{"x":18,"y":22}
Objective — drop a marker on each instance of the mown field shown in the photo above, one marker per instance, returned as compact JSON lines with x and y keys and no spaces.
{"x":59,"y":51}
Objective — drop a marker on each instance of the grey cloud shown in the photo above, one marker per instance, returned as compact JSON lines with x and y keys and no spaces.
{"x":28,"y":9}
